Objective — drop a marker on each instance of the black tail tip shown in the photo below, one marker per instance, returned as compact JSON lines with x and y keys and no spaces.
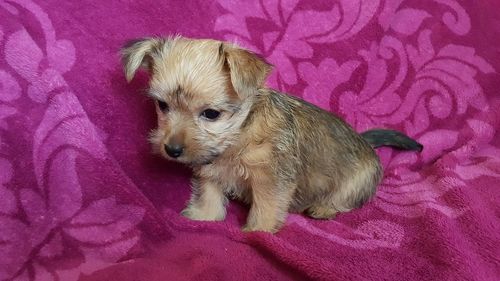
{"x":383,"y":137}
{"x":418,"y":147}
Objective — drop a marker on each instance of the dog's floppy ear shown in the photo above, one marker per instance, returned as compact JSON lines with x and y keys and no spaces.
{"x":248,"y":71}
{"x":139,"y":53}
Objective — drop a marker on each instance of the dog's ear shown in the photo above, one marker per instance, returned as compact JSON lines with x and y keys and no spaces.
{"x":140,"y":53}
{"x":248,"y":71}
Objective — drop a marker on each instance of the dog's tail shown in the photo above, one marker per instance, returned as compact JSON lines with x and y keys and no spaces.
{"x":382,"y":137}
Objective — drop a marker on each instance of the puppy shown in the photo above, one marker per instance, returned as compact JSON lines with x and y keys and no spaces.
{"x":275,"y":152}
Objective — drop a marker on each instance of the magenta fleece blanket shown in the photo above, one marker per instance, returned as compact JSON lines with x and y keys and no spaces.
{"x":82,"y":197}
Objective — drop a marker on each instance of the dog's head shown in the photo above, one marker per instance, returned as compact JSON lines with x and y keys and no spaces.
{"x":203,"y":90}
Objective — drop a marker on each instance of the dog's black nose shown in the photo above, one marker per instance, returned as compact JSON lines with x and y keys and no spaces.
{"x":174,"y":150}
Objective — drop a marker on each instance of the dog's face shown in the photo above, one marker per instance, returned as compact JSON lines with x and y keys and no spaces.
{"x":203,"y":91}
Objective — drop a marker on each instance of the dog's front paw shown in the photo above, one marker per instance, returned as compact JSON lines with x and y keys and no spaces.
{"x":187,"y":213}
{"x":193,"y":213}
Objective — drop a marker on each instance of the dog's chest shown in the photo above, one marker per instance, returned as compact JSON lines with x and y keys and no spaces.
{"x":234,"y":174}
{"x":229,"y":174}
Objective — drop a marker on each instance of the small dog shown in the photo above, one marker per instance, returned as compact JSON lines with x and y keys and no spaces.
{"x":273,"y":151}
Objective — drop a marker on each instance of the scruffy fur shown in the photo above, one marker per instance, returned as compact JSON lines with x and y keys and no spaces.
{"x":275,"y":152}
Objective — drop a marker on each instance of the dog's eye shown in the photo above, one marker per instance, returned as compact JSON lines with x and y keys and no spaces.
{"x":210,"y":114}
{"x":162,"y":105}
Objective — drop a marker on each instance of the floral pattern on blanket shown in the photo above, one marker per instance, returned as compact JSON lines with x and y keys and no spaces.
{"x":41,"y":221}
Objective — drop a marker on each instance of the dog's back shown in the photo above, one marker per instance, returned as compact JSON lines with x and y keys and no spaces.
{"x":335,"y":168}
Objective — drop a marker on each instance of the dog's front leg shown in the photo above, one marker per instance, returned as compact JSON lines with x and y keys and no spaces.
{"x":208,"y":202}
{"x":270,"y":202}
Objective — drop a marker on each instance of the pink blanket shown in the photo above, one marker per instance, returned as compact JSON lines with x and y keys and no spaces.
{"x":82,"y":197}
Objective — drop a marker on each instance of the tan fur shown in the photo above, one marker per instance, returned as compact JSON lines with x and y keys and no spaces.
{"x":207,"y":205}
{"x":275,"y":152}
